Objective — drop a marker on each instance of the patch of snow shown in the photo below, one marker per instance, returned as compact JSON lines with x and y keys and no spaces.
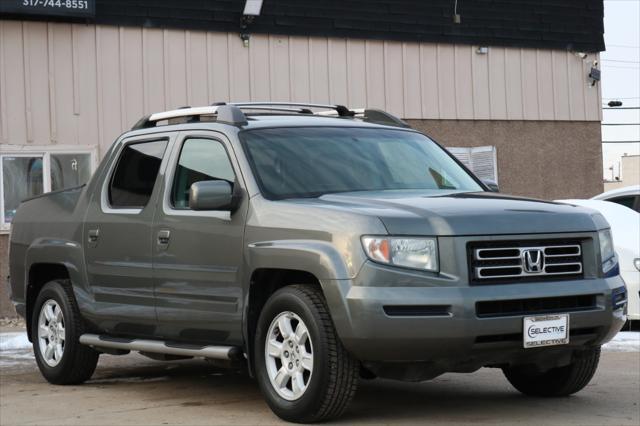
{"x":625,"y":341}
{"x":14,"y":341}
{"x":15,"y":349}
{"x":13,"y":358}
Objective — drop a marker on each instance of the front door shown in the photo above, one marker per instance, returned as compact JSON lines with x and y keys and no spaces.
{"x":118,"y":237}
{"x":197,"y":254}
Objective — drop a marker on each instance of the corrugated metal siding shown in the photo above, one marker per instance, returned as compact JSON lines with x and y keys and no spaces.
{"x":79,"y":84}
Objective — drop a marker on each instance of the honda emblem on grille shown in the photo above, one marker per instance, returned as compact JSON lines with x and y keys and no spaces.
{"x":533,"y":261}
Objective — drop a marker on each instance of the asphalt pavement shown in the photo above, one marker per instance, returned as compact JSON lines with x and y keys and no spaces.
{"x":134,"y":390}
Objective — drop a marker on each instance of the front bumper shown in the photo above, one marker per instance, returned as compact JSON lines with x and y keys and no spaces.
{"x":460,"y":336}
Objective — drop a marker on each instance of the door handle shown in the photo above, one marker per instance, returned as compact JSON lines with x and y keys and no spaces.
{"x":94,"y":235}
{"x":163,"y":237}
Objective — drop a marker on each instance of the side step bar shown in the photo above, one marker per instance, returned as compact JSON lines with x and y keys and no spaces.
{"x":160,"y":347}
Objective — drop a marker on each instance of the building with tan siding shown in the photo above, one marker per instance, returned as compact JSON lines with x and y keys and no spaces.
{"x":507,"y":86}
{"x":627,"y":173}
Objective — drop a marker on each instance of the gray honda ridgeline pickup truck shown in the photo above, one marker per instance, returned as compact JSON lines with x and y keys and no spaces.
{"x":315,"y":245}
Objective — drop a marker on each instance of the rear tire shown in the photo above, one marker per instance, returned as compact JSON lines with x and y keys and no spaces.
{"x":328,"y":375}
{"x":562,"y":381}
{"x":56,"y":326}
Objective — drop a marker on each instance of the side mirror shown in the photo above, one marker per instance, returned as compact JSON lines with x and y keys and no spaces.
{"x":212,"y":195}
{"x":491,"y":184}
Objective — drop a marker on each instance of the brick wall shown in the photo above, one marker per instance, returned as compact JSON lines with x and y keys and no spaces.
{"x":541,"y":159}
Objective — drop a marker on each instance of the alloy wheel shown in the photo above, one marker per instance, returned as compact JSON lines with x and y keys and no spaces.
{"x":289,"y":355}
{"x":51,"y":333}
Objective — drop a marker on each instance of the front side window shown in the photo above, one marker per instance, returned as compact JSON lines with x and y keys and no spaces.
{"x":312,"y":161}
{"x":200,"y":160}
{"x":135,"y":174}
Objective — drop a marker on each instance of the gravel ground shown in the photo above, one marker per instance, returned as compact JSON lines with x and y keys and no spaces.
{"x":138,"y":391}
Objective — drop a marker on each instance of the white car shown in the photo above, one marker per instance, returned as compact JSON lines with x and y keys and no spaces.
{"x":625,"y":227}
{"x":629,"y":196}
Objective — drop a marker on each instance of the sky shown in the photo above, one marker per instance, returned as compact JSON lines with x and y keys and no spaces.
{"x":620,"y":66}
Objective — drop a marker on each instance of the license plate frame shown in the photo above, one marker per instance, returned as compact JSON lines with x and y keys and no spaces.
{"x":545,"y":330}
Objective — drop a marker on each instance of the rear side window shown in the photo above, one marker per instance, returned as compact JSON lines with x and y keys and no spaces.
{"x":200,"y":159}
{"x":135,"y":174}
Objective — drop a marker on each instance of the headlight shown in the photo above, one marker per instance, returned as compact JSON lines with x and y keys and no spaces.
{"x":416,"y":253}
{"x":636,"y":263}
{"x":607,"y":252}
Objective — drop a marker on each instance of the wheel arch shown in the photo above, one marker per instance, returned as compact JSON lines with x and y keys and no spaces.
{"x":262,"y":284}
{"x":48,"y":260}
{"x":38,"y":276}
{"x":275,"y":264}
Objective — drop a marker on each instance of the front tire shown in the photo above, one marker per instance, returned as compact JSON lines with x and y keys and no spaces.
{"x":56,"y":326}
{"x":304,"y":372}
{"x":561,"y":381}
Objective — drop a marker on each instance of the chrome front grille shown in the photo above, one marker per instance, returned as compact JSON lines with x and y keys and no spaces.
{"x":522,"y":260}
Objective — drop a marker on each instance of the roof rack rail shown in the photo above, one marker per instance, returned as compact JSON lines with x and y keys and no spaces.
{"x":376,"y":116}
{"x":225,"y":113}
{"x":277,"y":109}
{"x":382,"y":117}
{"x":341,"y":110}
{"x":232,"y":113}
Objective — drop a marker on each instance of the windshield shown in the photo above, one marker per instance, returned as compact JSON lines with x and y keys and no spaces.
{"x":312,"y":161}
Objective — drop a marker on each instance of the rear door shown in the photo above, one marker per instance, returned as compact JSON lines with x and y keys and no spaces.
{"x":197,"y":255}
{"x":118,"y":238}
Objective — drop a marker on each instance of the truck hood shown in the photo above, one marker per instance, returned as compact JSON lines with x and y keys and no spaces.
{"x":458,"y":213}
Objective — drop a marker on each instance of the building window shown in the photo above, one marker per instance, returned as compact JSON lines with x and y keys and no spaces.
{"x":70,"y":170}
{"x":25,"y":174}
{"x":481,"y":160}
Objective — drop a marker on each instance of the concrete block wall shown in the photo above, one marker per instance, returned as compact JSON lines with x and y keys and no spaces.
{"x":6,"y":308}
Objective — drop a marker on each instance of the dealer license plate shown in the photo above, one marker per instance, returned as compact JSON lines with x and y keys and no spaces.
{"x":547,"y":330}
